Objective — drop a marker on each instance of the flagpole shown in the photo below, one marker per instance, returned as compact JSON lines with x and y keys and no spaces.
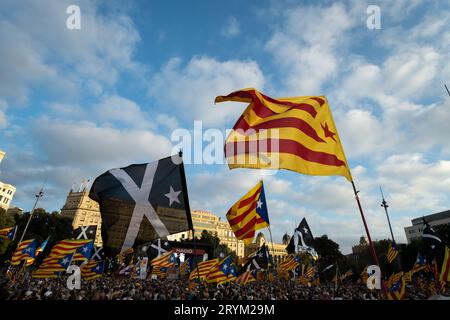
{"x":372,"y":247}
{"x":385,"y":206}
{"x":39,"y":195}
{"x":271,"y":240}
{"x":447,"y":89}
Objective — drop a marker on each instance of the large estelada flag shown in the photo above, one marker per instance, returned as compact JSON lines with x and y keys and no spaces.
{"x":296,"y":133}
{"x":249,"y":214}
{"x":142,"y":202}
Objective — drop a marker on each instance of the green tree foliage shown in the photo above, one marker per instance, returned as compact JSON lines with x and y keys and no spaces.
{"x":42,"y":225}
{"x":214,"y":241}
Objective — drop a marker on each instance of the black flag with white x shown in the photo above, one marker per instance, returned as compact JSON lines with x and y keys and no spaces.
{"x":302,"y":238}
{"x":85,"y":232}
{"x":141,"y":203}
{"x":430,"y":238}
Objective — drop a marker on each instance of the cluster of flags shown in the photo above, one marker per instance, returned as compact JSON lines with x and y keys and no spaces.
{"x":8,"y":233}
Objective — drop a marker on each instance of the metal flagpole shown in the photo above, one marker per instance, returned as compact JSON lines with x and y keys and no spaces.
{"x":271,"y":241}
{"x":447,"y":89}
{"x":372,"y":247}
{"x":385,"y":206}
{"x":38,"y":196}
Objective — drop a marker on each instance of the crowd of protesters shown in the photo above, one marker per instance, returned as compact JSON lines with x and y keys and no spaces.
{"x":111,"y":287}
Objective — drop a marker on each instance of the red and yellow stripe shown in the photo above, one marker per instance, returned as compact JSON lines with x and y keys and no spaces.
{"x":243,"y":218}
{"x":202,"y":270}
{"x":18,"y":255}
{"x":305,"y":139}
{"x":445,"y":270}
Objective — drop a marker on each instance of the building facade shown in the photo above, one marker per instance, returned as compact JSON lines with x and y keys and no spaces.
{"x":204,"y":220}
{"x":83,"y":211}
{"x":276,"y":250}
{"x":361,"y":247}
{"x":415,"y":231}
{"x":6,"y":190}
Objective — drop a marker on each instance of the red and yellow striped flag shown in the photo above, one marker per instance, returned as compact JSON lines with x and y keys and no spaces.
{"x":202,"y":270}
{"x":445,"y":270}
{"x":249,"y":214}
{"x":25,"y":251}
{"x":65,"y":247}
{"x":305,"y":138}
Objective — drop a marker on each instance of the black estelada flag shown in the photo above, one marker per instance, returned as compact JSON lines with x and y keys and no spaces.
{"x":85,"y":232}
{"x":141,"y":203}
{"x":259,"y":260}
{"x":430,"y":237}
{"x":302,"y":238}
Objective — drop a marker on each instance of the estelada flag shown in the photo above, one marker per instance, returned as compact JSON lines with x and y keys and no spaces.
{"x":249,"y":214}
{"x":445,"y":270}
{"x":295,"y":133}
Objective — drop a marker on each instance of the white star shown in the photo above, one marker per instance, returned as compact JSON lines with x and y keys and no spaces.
{"x":173,"y":196}
{"x":259,"y":204}
{"x":166,"y":244}
{"x":305,"y":230}
{"x":225,"y":267}
{"x":85,"y":249}
{"x":65,"y":260}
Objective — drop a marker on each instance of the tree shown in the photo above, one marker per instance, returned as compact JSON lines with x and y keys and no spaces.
{"x":214,"y":241}
{"x":6,"y":220}
{"x":42,"y":225}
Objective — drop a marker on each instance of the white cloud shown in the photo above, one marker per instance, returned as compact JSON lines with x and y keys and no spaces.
{"x":43,"y":54}
{"x":85,"y":144}
{"x":306,"y":50}
{"x":189,"y":91}
{"x":231,"y":28}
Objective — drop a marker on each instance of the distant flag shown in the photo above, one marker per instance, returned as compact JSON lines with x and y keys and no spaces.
{"x":430,"y":237}
{"x":160,"y":272}
{"x":246,"y":277}
{"x":202,"y":270}
{"x":259,"y":260}
{"x":396,"y":287}
{"x":85,"y":232}
{"x":420,"y":263}
{"x":41,"y":248}
{"x":8,"y":233}
{"x":158,"y":247}
{"x":306,"y":140}
{"x":219,"y":273}
{"x":289,"y":264}
{"x":84,"y":252}
{"x":233,"y":272}
{"x":141,"y":203}
{"x":408,"y":276}
{"x":445,"y":270}
{"x":310,"y":272}
{"x":167,"y":259}
{"x":185,"y":267}
{"x":302,"y":238}
{"x":65,"y":247}
{"x":392,"y":252}
{"x":249,"y":214}
{"x":92,"y":269}
{"x":25,"y":250}
{"x":50,"y":265}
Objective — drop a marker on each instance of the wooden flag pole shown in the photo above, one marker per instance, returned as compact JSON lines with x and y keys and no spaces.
{"x":372,"y":247}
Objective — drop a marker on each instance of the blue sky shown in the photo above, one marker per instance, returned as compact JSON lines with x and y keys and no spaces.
{"x":75,"y":103}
